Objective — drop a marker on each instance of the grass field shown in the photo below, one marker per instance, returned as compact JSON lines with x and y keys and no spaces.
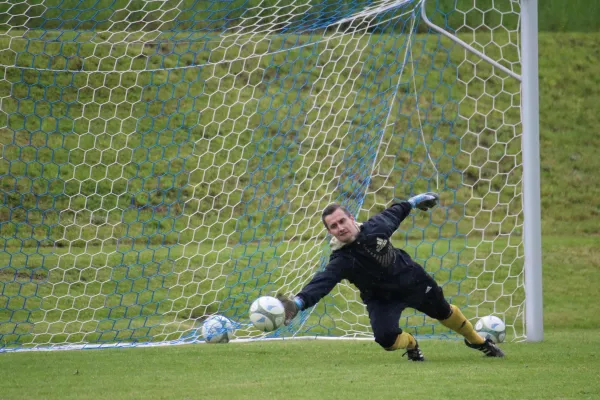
{"x":564,"y":366}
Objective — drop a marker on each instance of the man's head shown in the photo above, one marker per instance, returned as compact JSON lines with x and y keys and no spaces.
{"x":340,"y":223}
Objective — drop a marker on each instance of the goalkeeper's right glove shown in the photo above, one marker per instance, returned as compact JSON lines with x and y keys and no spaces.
{"x":291,"y":306}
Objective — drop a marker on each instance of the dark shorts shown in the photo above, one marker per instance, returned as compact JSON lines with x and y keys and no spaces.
{"x":426,"y":297}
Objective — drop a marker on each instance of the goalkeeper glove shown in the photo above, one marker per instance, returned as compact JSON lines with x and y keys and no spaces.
{"x":424,"y":201}
{"x":291,"y":306}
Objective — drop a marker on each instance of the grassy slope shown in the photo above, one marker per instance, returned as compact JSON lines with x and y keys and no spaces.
{"x":569,"y":119}
{"x":124,"y":168}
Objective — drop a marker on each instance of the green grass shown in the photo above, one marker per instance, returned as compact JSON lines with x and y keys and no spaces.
{"x":569,"y":84}
{"x":571,"y":270}
{"x":564,"y":366}
{"x":568,"y":16}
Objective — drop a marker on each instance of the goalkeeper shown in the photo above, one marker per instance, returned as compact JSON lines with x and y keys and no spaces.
{"x":387,"y":278}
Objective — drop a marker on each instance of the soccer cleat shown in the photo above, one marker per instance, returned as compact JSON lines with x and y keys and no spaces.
{"x":488,"y":348}
{"x":414,"y":354}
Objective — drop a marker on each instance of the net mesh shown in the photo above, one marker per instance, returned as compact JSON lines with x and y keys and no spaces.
{"x":166,"y":160}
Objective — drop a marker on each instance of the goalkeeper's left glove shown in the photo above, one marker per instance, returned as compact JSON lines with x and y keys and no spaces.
{"x":424,"y":201}
{"x":291,"y":306}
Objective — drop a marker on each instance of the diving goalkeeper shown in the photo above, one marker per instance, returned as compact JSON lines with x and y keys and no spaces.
{"x":388,"y":279}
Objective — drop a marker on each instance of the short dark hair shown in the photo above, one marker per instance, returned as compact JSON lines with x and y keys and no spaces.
{"x":330,"y":209}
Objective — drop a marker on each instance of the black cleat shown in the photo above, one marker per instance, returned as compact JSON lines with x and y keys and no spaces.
{"x":488,"y":348}
{"x":414,"y":354}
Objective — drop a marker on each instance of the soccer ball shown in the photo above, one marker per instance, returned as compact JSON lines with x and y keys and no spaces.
{"x":267,"y":313}
{"x":491,"y":327}
{"x":217,"y":329}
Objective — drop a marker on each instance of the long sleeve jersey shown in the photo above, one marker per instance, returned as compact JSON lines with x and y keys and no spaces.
{"x":371,"y":262}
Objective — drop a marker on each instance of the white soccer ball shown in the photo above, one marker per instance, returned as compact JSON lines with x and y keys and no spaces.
{"x":491,"y":327}
{"x":217,"y":329}
{"x":267,"y":313}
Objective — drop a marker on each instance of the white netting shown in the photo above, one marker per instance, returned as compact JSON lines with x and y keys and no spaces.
{"x":166,"y":160}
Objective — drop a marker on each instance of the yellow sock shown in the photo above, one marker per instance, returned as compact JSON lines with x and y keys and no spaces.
{"x":403,"y":341}
{"x":458,"y":323}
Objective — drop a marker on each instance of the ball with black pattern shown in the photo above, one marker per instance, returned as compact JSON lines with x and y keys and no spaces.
{"x":267,"y":313}
{"x":491,"y":327}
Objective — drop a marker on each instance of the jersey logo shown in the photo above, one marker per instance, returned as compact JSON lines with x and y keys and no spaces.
{"x":381,"y":244}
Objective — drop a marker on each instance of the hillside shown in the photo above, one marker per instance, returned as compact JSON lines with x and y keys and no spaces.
{"x":569,"y":93}
{"x":116,"y":154}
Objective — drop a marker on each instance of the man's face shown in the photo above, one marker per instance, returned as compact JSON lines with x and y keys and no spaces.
{"x":341,"y":225}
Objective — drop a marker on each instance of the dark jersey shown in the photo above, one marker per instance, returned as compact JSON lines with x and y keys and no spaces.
{"x":371,"y":262}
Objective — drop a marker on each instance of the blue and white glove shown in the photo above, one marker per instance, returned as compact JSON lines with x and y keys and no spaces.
{"x":424,"y":201}
{"x":292,"y":306}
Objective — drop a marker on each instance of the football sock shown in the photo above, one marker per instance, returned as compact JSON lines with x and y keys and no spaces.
{"x":404,"y":341}
{"x":458,"y":323}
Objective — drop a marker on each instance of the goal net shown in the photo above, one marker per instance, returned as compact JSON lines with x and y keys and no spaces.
{"x":166,"y":160}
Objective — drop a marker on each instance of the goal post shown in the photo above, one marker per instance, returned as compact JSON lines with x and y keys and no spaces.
{"x":531,"y":172}
{"x":166,"y":160}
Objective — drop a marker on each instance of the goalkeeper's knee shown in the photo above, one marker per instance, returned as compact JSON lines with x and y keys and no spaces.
{"x":395,"y":341}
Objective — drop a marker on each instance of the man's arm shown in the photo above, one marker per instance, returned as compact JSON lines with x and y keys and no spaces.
{"x":320,"y":285}
{"x":389,"y":220}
